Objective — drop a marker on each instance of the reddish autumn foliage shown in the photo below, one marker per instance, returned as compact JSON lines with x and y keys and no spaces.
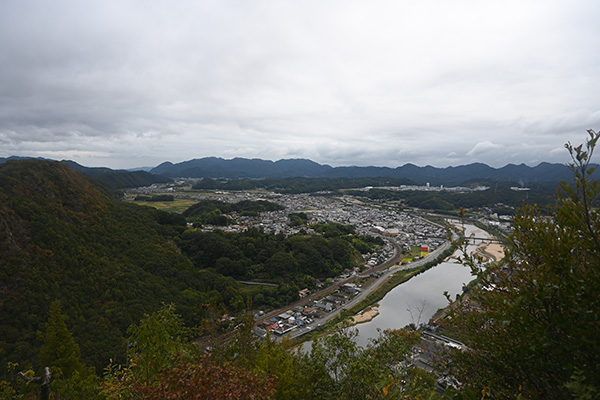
{"x":203,"y":379}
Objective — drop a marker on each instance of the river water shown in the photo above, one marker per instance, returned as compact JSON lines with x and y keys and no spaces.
{"x":416,"y":300}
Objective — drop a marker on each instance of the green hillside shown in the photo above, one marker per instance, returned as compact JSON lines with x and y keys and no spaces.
{"x":63,"y":237}
{"x":108,"y":262}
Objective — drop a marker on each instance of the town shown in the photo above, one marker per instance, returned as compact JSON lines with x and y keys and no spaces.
{"x":401,"y":231}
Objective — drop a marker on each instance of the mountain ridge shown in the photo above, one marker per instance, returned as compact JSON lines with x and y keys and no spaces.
{"x":255,"y":168}
{"x":242,"y":168}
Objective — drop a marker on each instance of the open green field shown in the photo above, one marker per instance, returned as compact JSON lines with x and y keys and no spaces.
{"x":177,"y":205}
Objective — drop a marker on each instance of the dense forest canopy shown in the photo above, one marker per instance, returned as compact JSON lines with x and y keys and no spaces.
{"x":108,"y":262}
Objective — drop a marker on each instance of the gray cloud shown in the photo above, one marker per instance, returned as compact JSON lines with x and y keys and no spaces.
{"x":134,"y":83}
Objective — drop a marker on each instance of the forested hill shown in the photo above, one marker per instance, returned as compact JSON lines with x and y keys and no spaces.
{"x":119,"y":179}
{"x":116,"y":179}
{"x":64,"y":238}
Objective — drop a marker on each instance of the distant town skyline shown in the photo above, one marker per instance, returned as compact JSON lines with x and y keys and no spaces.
{"x":125,"y":84}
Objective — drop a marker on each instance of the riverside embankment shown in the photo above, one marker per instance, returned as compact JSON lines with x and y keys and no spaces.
{"x":416,"y":300}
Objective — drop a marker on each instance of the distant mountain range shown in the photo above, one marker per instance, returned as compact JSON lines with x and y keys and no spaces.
{"x":244,"y":168}
{"x":239,"y":168}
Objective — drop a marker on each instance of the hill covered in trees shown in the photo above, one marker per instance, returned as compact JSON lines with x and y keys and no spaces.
{"x":64,"y":237}
{"x":119,"y":179}
{"x":116,"y":179}
{"x":500,"y":199}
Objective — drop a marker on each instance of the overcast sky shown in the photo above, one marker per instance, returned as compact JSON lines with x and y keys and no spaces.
{"x":444,"y":83}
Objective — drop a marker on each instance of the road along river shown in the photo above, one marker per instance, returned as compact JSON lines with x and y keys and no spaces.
{"x":416,"y":300}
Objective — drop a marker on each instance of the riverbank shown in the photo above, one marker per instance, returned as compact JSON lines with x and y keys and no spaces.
{"x":419,"y":296}
{"x":348,"y":314}
{"x":490,"y":251}
{"x":365,"y":315}
{"x":397,"y":277}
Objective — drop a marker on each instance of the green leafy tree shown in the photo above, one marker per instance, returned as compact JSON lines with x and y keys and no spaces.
{"x":338,"y":368}
{"x":281,"y":264}
{"x":162,"y":364}
{"x":59,"y":351}
{"x":532,"y":325}
{"x":70,"y":378}
{"x":298,"y":219}
{"x":155,"y":342}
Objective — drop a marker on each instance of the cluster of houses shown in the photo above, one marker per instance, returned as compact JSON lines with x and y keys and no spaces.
{"x":335,"y":300}
{"x":288,"y":320}
{"x":406,"y":229}
{"x":299,"y":317}
{"x":376,"y":258}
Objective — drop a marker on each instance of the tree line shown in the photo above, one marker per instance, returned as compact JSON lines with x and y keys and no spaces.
{"x":299,"y":185}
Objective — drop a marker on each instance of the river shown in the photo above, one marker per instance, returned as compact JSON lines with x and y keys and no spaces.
{"x":416,"y":300}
